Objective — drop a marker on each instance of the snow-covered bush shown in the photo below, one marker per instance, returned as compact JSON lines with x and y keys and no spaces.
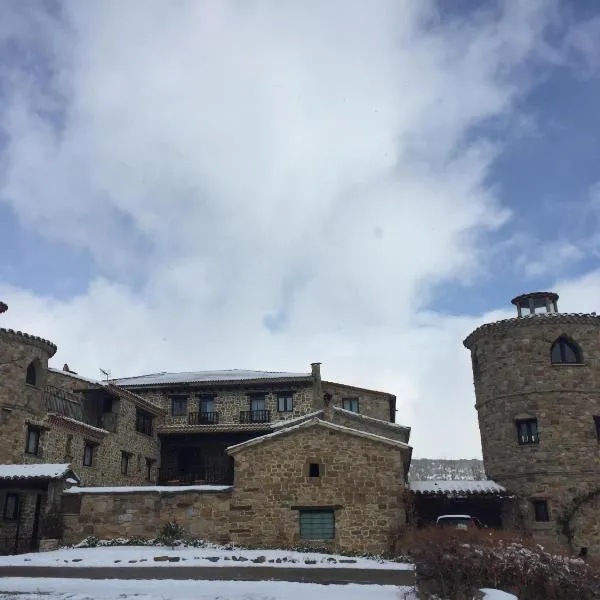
{"x":456,"y":564}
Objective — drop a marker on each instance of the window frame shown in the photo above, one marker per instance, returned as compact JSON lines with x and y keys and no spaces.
{"x":351,"y":400}
{"x":144,"y":421}
{"x":205,"y":400}
{"x":532,"y":439}
{"x":37,"y":431}
{"x":304,"y":513}
{"x":564,"y":343}
{"x":179,"y":398}
{"x":17,"y":506}
{"x":258,"y":397}
{"x":125,"y":456}
{"x":91,"y":447}
{"x":288,"y":401}
{"x":541,"y":508}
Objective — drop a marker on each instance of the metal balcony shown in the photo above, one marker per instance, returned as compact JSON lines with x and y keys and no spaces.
{"x":203,"y":418}
{"x":255,"y":416}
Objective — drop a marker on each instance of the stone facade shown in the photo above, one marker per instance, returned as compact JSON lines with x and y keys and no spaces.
{"x":363,"y":484}
{"x":143,"y":513}
{"x":515,"y":380}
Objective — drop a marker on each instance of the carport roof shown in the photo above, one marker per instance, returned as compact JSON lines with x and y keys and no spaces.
{"x":466,"y":487}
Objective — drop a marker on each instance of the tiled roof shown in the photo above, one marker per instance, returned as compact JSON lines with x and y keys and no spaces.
{"x":226,"y":376}
{"x":359,"y":416}
{"x":38,"y":471}
{"x":225,"y":427}
{"x":33,"y":340}
{"x":527,"y":320}
{"x":74,"y":376}
{"x":75,"y":423}
{"x":457,"y":487}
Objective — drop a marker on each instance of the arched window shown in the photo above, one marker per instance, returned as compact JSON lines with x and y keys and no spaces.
{"x":31,"y":377}
{"x":565,"y":351}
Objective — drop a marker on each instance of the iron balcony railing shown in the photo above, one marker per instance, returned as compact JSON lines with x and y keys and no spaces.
{"x":203,"y":418}
{"x":255,"y":416}
{"x":211,"y":474}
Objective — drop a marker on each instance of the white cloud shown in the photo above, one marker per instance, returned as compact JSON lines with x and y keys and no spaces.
{"x":310,"y":163}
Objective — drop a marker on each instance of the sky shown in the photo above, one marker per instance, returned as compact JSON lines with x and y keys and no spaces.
{"x":260,"y":185}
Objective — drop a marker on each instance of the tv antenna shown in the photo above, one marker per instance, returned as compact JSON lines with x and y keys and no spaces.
{"x":106,"y":374}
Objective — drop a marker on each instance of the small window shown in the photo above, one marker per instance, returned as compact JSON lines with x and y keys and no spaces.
{"x":149,"y":466}
{"x":285,"y":402}
{"x":11,"y":507}
{"x":313,"y":470}
{"x":540,"y":511}
{"x":258,"y":402}
{"x":31,"y":375}
{"x":143,"y":421}
{"x":565,"y":351}
{"x":179,"y":406}
{"x":33,"y":440}
{"x":88,"y":454}
{"x":206,"y":404}
{"x":527,"y":431}
{"x":125,"y":463}
{"x":597,"y":424}
{"x":317,"y":525}
{"x":350,"y":404}
{"x":107,"y":405}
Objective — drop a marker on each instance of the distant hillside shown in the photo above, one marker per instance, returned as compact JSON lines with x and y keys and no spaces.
{"x":437,"y":468}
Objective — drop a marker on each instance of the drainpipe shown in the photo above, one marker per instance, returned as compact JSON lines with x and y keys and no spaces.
{"x":317,"y":387}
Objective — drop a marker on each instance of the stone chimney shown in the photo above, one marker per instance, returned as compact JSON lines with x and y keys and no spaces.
{"x":327,"y":407}
{"x":317,"y":391}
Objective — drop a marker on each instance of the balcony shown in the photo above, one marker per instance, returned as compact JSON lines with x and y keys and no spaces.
{"x":203,"y":418}
{"x":219,"y":473}
{"x":255,"y":416}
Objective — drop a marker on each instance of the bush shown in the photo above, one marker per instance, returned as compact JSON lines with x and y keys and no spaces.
{"x":171,"y":534}
{"x":454,"y":564}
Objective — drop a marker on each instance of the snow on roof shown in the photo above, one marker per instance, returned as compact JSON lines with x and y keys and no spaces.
{"x":230,"y":375}
{"x":161,"y":489}
{"x":352,"y":413}
{"x":457,"y":487}
{"x":311,"y":423}
{"x":296,"y":420}
{"x":39,"y":471}
{"x":75,"y":376}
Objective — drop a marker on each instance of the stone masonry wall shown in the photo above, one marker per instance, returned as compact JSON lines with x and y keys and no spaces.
{"x":515,"y":379}
{"x":229,"y":403}
{"x":361,"y":478}
{"x":369,"y":403}
{"x":381,"y":428}
{"x":204,"y":515}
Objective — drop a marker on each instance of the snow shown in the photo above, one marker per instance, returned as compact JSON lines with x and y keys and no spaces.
{"x":41,"y":471}
{"x":75,"y":376}
{"x":486,"y":486}
{"x":71,"y":420}
{"x":147,"y":488}
{"x":493,"y":594}
{"x":299,"y":419}
{"x":351,"y":413}
{"x":148,"y":589}
{"x":143,"y":556}
{"x":206,"y":376}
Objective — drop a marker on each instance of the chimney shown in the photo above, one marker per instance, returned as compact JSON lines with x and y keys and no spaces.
{"x":66,"y":368}
{"x":317,"y":391}
{"x":3,"y":307}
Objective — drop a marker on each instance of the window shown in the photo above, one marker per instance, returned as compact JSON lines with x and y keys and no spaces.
{"x":350,"y":404}
{"x":564,"y":351}
{"x":125,"y":462}
{"x":317,"y":525}
{"x":258,"y":402}
{"x":313,"y":470}
{"x":179,"y":406}
{"x":11,"y":507}
{"x":206,"y":404}
{"x":88,"y":454}
{"x":33,"y":440}
{"x":31,"y":375}
{"x":143,"y":421}
{"x":527,"y":431}
{"x":597,"y":424}
{"x":285,"y":402}
{"x":107,"y":405}
{"x":540,"y":510}
{"x":149,"y":466}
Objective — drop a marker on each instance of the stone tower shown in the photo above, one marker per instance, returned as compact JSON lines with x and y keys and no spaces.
{"x":537,"y":389}
{"x":23,"y":367}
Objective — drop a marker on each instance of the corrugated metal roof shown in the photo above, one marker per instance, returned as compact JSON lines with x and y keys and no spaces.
{"x":229,"y":375}
{"x":457,"y":487}
{"x":39,"y":471}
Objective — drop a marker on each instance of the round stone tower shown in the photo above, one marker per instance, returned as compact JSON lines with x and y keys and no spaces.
{"x":537,"y":389}
{"x":23,"y":368}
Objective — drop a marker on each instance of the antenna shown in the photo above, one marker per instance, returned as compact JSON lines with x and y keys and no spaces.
{"x":106,"y":374}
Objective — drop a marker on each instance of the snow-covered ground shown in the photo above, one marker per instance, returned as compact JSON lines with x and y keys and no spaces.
{"x":143,"y":556}
{"x":491,"y":594}
{"x":147,"y":589}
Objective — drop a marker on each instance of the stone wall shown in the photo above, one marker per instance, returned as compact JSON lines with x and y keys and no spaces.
{"x":515,"y":379}
{"x":384,"y":428}
{"x":204,"y":515}
{"x":360,"y":478}
{"x":371,"y":404}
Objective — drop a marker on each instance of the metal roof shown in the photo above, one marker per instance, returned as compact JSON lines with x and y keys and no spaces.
{"x":457,"y":487}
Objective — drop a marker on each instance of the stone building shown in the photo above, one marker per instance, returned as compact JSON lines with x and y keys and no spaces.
{"x":537,"y":388}
{"x":257,"y":458}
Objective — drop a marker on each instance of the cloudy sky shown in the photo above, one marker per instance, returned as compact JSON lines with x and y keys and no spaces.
{"x":201,"y":184}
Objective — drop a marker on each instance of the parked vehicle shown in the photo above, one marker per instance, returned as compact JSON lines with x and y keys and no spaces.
{"x":459,"y":522}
